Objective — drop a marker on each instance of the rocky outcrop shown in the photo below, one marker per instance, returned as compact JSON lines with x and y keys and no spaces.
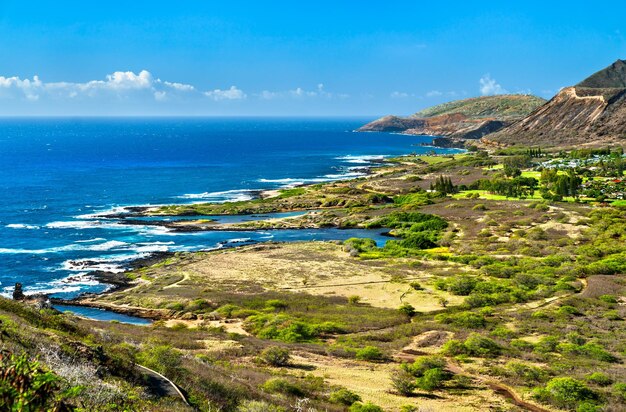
{"x":592,"y":113}
{"x":462,"y":119}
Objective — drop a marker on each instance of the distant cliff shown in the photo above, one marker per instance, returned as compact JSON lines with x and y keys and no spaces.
{"x":591,"y":113}
{"x":462,"y":119}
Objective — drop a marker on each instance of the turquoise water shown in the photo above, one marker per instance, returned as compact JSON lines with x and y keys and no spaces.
{"x":102,"y":315}
{"x":58,"y":175}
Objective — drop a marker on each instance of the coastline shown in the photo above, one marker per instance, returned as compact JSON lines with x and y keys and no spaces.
{"x":120,"y":281}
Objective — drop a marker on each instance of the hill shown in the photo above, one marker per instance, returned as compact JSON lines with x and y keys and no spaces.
{"x":461,"y":119}
{"x":591,"y":113}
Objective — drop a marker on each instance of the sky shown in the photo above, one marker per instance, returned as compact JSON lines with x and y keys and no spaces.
{"x":293,"y":58}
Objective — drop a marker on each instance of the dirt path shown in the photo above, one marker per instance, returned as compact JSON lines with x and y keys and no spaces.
{"x":160,"y":385}
{"x":497,"y":387}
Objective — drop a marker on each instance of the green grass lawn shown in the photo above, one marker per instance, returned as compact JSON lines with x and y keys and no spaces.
{"x":489,"y":196}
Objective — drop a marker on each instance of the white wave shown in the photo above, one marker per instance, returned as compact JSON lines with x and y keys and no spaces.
{"x":109,"y":245}
{"x":346,"y":175}
{"x":22,"y":226}
{"x":100,"y":264}
{"x":363,"y":159}
{"x":85,"y":224}
{"x":237,"y":195}
{"x":96,"y":239}
{"x":103,"y":213}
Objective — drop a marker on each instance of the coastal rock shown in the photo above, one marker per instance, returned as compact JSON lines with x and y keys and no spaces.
{"x":468,"y":119}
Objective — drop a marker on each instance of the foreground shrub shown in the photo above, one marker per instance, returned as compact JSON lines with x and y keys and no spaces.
{"x":344,"y":397}
{"x":277,"y":385}
{"x":26,"y":386}
{"x":403,"y":382}
{"x":370,"y":353}
{"x":365,"y":407}
{"x":564,"y":392}
{"x":275,"y":356}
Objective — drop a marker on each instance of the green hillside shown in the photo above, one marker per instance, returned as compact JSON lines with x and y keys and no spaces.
{"x":502,"y":107}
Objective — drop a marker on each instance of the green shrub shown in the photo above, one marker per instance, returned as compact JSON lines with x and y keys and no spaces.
{"x":547,"y":344}
{"x":354,"y":299}
{"x":276,"y":304}
{"x":608,"y":298}
{"x":463,"y":319}
{"x":369,"y":353}
{"x":407,"y":309}
{"x":522,"y":345}
{"x":619,"y":389}
{"x":424,"y":363}
{"x":403,"y":382}
{"x":275,"y":356}
{"x":568,"y":392}
{"x":364,"y":407}
{"x":344,"y":397}
{"x":277,"y":385}
{"x":600,"y":378}
{"x":461,"y":285}
{"x":431,"y":380}
{"x":26,"y":386}
{"x":596,"y":351}
{"x":478,"y":345}
{"x":568,"y":310}
{"x":612,"y":315}
{"x":528,"y":373}
{"x":416,"y":286}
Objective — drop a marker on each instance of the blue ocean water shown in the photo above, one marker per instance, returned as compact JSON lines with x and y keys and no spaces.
{"x":57,"y":174}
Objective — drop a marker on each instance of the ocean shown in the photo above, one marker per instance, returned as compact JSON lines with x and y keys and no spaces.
{"x":57,"y":174}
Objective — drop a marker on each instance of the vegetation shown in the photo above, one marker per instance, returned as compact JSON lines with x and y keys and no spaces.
{"x":517,"y":280}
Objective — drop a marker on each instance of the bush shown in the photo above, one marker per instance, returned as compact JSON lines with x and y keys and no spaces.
{"x":25,"y":386}
{"x":432,"y":379}
{"x":275,"y":356}
{"x":403,"y":382}
{"x":608,"y":298}
{"x":407,"y":309}
{"x":478,"y":345}
{"x":568,"y":392}
{"x":461,"y":285}
{"x":600,"y":378}
{"x":365,"y":407}
{"x":424,"y":363}
{"x":369,"y":353}
{"x":464,"y":319}
{"x":619,"y":389}
{"x":277,"y":385}
{"x":344,"y":397}
{"x":354,"y":299}
{"x":276,"y":304}
{"x":416,"y":286}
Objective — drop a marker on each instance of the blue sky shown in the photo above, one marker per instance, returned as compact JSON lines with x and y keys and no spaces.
{"x":293,"y":58}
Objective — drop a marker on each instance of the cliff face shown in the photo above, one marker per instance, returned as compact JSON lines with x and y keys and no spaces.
{"x":592,"y":113}
{"x":461,"y":119}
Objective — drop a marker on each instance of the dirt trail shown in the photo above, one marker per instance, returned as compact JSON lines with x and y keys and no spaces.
{"x":499,"y":388}
{"x":160,"y":385}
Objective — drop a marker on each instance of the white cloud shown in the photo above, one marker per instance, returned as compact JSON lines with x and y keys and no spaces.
{"x":489,"y":86}
{"x":399,"y":95}
{"x":180,"y":86}
{"x":434,"y":93}
{"x":301,"y":93}
{"x":120,"y":84}
{"x":229,"y":94}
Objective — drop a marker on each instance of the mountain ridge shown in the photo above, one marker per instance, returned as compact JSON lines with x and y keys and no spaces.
{"x":458,"y":120}
{"x":591,"y":113}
